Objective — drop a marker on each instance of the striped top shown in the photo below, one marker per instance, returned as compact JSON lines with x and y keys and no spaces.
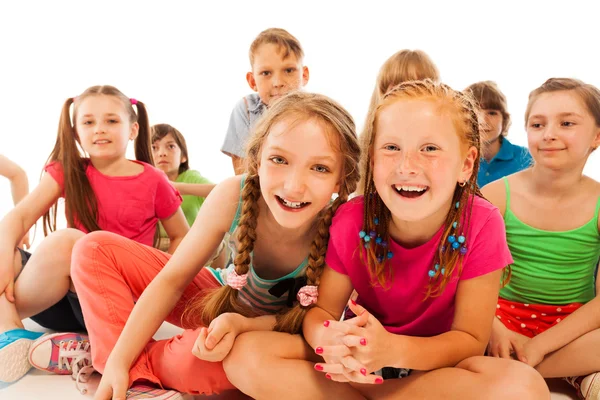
{"x":256,"y":292}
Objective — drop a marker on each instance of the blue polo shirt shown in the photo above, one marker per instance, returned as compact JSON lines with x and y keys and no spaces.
{"x":243,"y":117}
{"x":510,"y":159}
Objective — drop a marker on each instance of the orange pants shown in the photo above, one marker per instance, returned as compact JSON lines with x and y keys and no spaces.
{"x":110,"y":273}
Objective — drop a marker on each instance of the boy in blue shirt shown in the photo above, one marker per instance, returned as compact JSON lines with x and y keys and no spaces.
{"x":499,"y":157}
{"x":276,"y":58}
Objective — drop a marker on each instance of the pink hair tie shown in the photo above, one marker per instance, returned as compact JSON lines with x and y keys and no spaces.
{"x":307,"y":295}
{"x":236,"y":281}
{"x":133,"y":101}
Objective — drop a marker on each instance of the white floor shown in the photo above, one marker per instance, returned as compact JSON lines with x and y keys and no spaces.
{"x":40,"y":385}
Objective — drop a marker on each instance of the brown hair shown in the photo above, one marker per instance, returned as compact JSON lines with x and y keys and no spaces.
{"x":280,"y":37}
{"x":304,"y":106}
{"x":80,"y":200}
{"x":159,"y":131}
{"x":588,"y":93}
{"x":405,"y":65}
{"x":489,"y":97}
{"x":377,"y":216}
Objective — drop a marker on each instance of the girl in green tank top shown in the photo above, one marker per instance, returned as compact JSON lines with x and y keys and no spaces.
{"x":552,"y":229}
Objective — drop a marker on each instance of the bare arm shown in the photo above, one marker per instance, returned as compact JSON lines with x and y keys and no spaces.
{"x":25,"y":214}
{"x":163,"y":293}
{"x":18,"y":179}
{"x":475,"y":306}
{"x":580,"y":322}
{"x":194,"y":189}
{"x":176,"y":227}
{"x":18,"y":222}
{"x":238,"y":164}
{"x":334,"y":291}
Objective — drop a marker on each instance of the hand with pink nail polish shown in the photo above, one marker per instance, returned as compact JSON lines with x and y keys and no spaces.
{"x":364,"y":348}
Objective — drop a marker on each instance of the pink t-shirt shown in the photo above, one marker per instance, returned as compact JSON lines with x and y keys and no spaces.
{"x":128,"y":205}
{"x":401,"y":309}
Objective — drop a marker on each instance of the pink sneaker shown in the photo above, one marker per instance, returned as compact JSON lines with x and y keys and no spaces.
{"x":147,"y":392}
{"x":63,"y":354}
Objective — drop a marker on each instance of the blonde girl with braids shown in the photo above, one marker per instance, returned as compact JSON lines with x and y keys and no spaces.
{"x":425,"y":253}
{"x":103,"y":190}
{"x":303,"y":152}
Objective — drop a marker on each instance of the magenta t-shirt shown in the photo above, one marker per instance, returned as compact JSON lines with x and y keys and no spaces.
{"x":128,"y":205}
{"x":400,"y":308}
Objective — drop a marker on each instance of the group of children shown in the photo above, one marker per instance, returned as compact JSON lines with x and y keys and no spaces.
{"x":333,"y":265}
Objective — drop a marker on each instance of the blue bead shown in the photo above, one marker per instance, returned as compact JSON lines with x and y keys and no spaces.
{"x":390,"y":254}
{"x":376,"y":221}
{"x":384,"y":243}
{"x":366,"y":245}
{"x":451,"y":239}
{"x":431,"y":273}
{"x":362,"y":234}
{"x":367,"y":239}
{"x":437,"y":267}
{"x":463,"y":250}
{"x":454,"y":224}
{"x":443,"y":271}
{"x":373,"y":234}
{"x":461,"y":239}
{"x":457,"y":204}
{"x":378,"y":240}
{"x":455,"y":245}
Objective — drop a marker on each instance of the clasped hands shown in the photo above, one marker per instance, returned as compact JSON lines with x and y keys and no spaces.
{"x":354,"y":348}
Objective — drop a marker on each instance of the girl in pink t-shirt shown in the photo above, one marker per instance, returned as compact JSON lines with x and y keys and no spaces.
{"x":424,"y":252}
{"x":103,"y":190}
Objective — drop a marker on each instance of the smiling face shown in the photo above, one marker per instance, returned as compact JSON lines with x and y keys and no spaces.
{"x":561,"y":132}
{"x":300,"y":169}
{"x":418,"y":159}
{"x":103,"y":127}
{"x":168,"y":156}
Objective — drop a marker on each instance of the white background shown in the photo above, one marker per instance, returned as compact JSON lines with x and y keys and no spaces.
{"x":187,"y":59}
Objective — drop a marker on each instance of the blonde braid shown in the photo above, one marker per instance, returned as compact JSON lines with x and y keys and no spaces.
{"x":225,"y":299}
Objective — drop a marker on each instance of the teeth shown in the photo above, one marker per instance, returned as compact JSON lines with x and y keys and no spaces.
{"x":102,"y":141}
{"x":410,"y":188}
{"x":292,"y":204}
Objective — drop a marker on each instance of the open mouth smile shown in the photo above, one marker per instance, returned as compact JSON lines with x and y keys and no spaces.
{"x":410,"y":191}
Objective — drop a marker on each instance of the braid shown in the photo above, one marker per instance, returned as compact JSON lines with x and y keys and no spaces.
{"x":225,"y":299}
{"x":291,"y":320}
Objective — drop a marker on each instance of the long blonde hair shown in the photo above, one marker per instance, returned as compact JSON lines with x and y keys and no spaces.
{"x":402,"y":66}
{"x":377,"y":216}
{"x":340,"y":124}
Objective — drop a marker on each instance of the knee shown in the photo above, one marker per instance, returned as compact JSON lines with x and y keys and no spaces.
{"x":63,"y":239}
{"x":517,"y":380}
{"x":243,"y":361}
{"x":83,"y":250}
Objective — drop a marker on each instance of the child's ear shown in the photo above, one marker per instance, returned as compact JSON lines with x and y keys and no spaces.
{"x":135,"y":130}
{"x":596,"y":142}
{"x":251,"y":81}
{"x":468,"y":164}
{"x":305,"y":75}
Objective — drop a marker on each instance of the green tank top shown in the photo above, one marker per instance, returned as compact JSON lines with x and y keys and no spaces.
{"x":553,"y":268}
